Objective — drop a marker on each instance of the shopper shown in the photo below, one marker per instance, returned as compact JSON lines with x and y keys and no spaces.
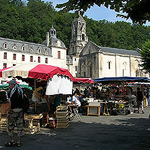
{"x":139,"y":98}
{"x":45,"y":108}
{"x":75,"y":100}
{"x":15,"y":115}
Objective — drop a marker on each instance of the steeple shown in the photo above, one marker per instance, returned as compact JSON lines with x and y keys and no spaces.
{"x":52,"y":32}
{"x":79,"y":38}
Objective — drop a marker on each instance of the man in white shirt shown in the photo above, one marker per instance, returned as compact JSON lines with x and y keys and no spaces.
{"x":75,"y":100}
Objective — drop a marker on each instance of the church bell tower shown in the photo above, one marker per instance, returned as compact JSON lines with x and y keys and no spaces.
{"x":79,"y":38}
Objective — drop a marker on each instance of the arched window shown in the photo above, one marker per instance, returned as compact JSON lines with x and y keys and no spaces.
{"x":5,"y":45}
{"x":125,"y":65}
{"x":23,"y":48}
{"x":83,"y":37}
{"x":89,"y":69}
{"x":83,"y":73}
{"x":39,"y":50}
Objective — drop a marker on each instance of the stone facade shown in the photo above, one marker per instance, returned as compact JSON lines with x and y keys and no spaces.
{"x":52,"y":51}
{"x":91,"y":60}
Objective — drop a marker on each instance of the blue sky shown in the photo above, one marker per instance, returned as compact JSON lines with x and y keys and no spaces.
{"x":98,"y":13}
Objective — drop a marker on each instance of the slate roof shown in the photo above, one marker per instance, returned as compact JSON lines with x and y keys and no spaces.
{"x":96,"y":48}
{"x":120,"y":51}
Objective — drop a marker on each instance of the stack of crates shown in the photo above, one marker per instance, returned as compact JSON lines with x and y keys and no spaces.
{"x":62,"y":120}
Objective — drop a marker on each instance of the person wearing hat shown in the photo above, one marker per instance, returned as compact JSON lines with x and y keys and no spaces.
{"x":15,"y":114}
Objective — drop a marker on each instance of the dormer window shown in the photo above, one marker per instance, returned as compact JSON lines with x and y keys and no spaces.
{"x":31,"y":50}
{"x":15,"y":47}
{"x":46,"y":52}
{"x":39,"y":50}
{"x":5,"y":45}
{"x":23,"y":48}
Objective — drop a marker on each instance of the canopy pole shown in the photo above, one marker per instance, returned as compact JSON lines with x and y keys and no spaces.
{"x":34,"y":89}
{"x":34,"y":84}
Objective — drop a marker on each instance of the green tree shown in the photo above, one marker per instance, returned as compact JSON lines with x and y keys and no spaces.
{"x":145,"y":54}
{"x":30,"y":23}
{"x":137,"y":10}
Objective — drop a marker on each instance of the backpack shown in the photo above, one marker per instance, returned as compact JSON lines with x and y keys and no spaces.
{"x":25,"y":103}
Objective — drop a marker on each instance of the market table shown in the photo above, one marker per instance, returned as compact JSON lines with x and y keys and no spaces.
{"x":93,"y":110}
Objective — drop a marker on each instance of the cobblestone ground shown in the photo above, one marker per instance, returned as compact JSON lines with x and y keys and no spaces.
{"x":129,"y":132}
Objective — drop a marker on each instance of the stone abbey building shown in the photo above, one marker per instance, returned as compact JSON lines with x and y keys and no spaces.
{"x":84,"y":59}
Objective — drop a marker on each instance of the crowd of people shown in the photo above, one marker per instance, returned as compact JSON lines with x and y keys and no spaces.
{"x":49,"y":103}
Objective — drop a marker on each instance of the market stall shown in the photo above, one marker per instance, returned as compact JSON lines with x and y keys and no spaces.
{"x":80,"y":86}
{"x":44,"y":72}
{"x":57,"y":80}
{"x":116,"y":93}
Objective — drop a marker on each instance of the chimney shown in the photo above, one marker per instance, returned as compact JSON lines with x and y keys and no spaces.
{"x":47,"y":39}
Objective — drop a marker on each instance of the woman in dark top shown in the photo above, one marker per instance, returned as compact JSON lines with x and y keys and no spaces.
{"x":139,"y":98}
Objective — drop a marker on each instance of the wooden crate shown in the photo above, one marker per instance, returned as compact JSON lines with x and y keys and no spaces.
{"x":93,"y":110}
{"x":3,"y":124}
{"x":62,"y":120}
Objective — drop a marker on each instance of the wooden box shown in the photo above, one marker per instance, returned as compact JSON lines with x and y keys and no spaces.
{"x":93,"y":110}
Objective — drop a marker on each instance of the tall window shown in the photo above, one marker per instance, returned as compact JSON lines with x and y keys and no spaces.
{"x":14,"y":56}
{"x":109,"y":65}
{"x":83,"y":37}
{"x":5,"y":55}
{"x":89,"y":69}
{"x":4,"y":65}
{"x":46,"y":60}
{"x":39,"y":59}
{"x":23,"y":57}
{"x":75,"y":68}
{"x":31,"y":58}
{"x":123,"y":72}
{"x":58,"y":54}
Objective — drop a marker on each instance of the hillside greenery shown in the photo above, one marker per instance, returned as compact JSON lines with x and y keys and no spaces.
{"x":30,"y":22}
{"x":137,"y":10}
